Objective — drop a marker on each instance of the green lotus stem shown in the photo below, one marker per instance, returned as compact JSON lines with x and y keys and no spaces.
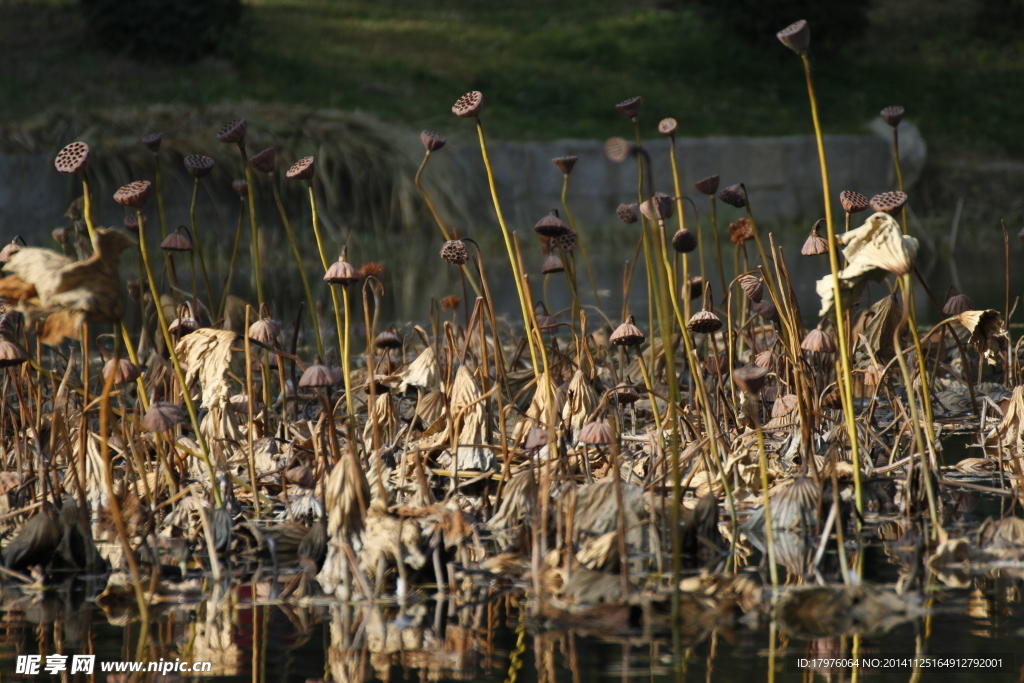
{"x":653,"y":295}
{"x":345,"y":368}
{"x":134,"y":359}
{"x":256,"y":268}
{"x":899,"y":172}
{"x":160,"y":197}
{"x":718,"y":243}
{"x":231,"y":266}
{"x":579,"y":237}
{"x":87,"y":207}
{"x":682,"y":226}
{"x":199,"y":244}
{"x":437,"y":218}
{"x":516,"y":275}
{"x":204,"y":451}
{"x":846,"y":385}
{"x":298,"y":261}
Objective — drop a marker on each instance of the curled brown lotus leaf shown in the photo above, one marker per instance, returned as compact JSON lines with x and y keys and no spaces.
{"x":986,"y":328}
{"x":50,"y":287}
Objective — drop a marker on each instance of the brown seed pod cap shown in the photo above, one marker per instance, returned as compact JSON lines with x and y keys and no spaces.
{"x":176,"y":241}
{"x":126,"y":373}
{"x":302,"y":169}
{"x":630,"y":108}
{"x":241,"y":187}
{"x":182,"y":326}
{"x":569,"y":240}
{"x":629,"y":214}
{"x":796,"y":36}
{"x":694,"y":288}
{"x":11,"y":354}
{"x":684,"y":241}
{"x":625,"y":394}
{"x":704,"y":322}
{"x":73,"y":158}
{"x":388,"y":341}
{"x":668,"y":126}
{"x":956,"y":303}
{"x":432,"y":141}
{"x":265,"y":330}
{"x":468,"y":106}
{"x":815,"y":244}
{"x":265,"y":161}
{"x":889,"y":202}
{"x":565,"y":164}
{"x":597,"y":433}
{"x":133,"y":194}
{"x":317,"y":375}
{"x":341,"y":273}
{"x":233,"y":132}
{"x":658,"y":207}
{"x":616,"y":149}
{"x":131,"y":222}
{"x":750,"y":378}
{"x":627,"y":334}
{"x":708,"y":185}
{"x":546,"y":322}
{"x":716,"y":365}
{"x":784,"y":405}
{"x":752,"y":286}
{"x":162,"y":417}
{"x":734,"y":195}
{"x":853,"y":202}
{"x":892,"y":115}
{"x":199,"y":165}
{"x":552,"y":264}
{"x":818,"y":341}
{"x":551,"y":226}
{"x":152,"y":141}
{"x":455,"y":252}
{"x":767,"y":359}
{"x":767,"y":310}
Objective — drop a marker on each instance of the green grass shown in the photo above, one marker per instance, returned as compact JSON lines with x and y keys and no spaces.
{"x":547,"y":69}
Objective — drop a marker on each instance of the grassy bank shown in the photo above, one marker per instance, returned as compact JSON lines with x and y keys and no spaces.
{"x":548,"y":69}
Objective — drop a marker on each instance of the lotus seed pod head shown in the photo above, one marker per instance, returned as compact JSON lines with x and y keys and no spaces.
{"x":704,"y":322}
{"x":767,"y":359}
{"x":889,"y":202}
{"x":552,"y":264}
{"x":241,"y":187}
{"x":162,"y":417}
{"x":152,"y":141}
{"x":233,"y":132}
{"x":734,"y":195}
{"x":627,"y":334}
{"x":176,"y":241}
{"x":625,"y":394}
{"x":616,"y":149}
{"x":265,"y":161}
{"x":317,"y":375}
{"x":668,"y":126}
{"x":892,"y":115}
{"x":693,"y":289}
{"x":134,"y":194}
{"x":658,"y":207}
{"x":708,"y":186}
{"x":551,"y":225}
{"x":73,"y":158}
{"x":684,"y":241}
{"x":303,"y":169}
{"x":182,"y":326}
{"x":752,"y":286}
{"x":767,"y":310}
{"x":597,"y":433}
{"x":750,"y":378}
{"x":815,"y":244}
{"x":199,"y":165}
{"x":565,"y":164}
{"x":265,"y":330}
{"x":341,"y":272}
{"x":11,"y":354}
{"x":629,"y":214}
{"x":630,"y":108}
{"x":569,"y":240}
{"x":853,"y":202}
{"x":388,"y":341}
{"x":432,"y":141}
{"x":455,"y":252}
{"x":468,"y":106}
{"x":956,"y":303}
{"x":818,"y":341}
{"x":796,"y":36}
{"x":126,"y":372}
{"x":131,"y":222}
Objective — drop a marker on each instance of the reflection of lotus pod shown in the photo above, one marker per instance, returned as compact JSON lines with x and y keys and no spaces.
{"x":752,"y":286}
{"x":630,"y":108}
{"x":627,"y":334}
{"x":956,"y":303}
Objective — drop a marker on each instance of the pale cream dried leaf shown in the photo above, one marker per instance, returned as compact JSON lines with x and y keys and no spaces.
{"x":206,"y":353}
{"x":422,"y":372}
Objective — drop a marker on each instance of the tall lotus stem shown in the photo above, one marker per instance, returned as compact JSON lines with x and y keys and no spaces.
{"x":668,"y":127}
{"x":234,"y":257}
{"x":801,"y":31}
{"x":199,"y":243}
{"x":582,"y":243}
{"x":718,"y":241}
